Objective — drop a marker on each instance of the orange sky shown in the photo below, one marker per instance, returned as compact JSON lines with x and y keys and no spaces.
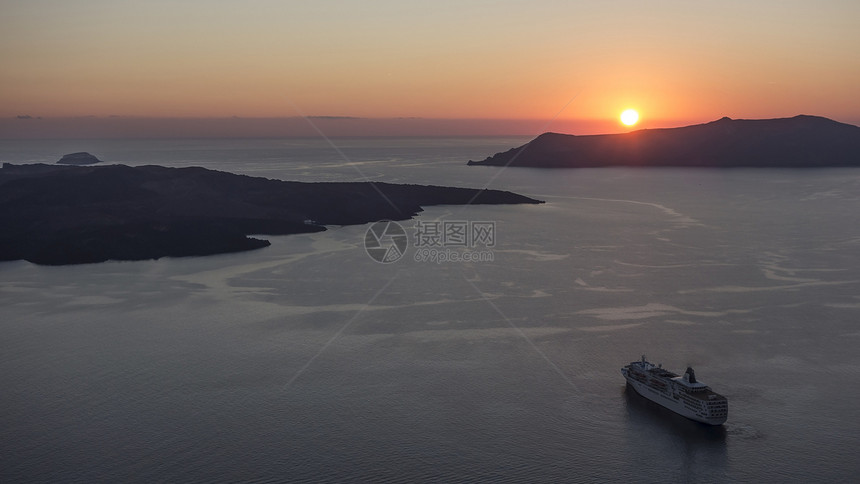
{"x":676,"y":62}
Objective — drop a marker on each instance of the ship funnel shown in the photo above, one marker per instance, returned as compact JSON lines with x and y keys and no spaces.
{"x":690,"y":375}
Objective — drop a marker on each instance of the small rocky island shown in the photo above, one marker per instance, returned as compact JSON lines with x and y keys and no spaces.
{"x":56,"y":215}
{"x":798,"y":142}
{"x":80,"y":159}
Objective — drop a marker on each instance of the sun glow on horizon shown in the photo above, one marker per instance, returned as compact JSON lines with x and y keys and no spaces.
{"x":629,"y":117}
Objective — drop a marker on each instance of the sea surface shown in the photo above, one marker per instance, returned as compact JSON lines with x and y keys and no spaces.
{"x":308,"y":361}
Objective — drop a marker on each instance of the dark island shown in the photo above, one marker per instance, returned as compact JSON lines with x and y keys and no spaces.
{"x":798,"y":142}
{"x":80,"y":158}
{"x":55,"y":215}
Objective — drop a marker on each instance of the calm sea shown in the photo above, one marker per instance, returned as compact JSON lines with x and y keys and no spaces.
{"x":310,"y":361}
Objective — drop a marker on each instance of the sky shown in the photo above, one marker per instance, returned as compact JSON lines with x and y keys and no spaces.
{"x":506,"y":65}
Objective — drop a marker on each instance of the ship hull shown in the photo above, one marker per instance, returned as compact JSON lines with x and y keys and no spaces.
{"x":665,"y":399}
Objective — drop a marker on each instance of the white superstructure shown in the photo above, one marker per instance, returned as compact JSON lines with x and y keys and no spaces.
{"x":683,"y":395}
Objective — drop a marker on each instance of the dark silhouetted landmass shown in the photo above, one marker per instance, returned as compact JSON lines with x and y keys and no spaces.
{"x":68,"y":214}
{"x":801,"y":141}
{"x":82,"y":158}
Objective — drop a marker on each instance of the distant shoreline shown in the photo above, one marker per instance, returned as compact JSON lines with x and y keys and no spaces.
{"x":801,"y":141}
{"x":64,"y":214}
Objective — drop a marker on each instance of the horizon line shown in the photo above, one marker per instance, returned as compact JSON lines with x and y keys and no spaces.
{"x":153,"y":127}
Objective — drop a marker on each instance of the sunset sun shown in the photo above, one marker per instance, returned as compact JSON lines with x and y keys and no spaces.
{"x":629,"y":117}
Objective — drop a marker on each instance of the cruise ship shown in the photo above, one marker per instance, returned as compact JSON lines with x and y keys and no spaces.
{"x":681,"y":394}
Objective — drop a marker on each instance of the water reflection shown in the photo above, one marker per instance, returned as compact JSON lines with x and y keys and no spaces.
{"x":655,"y":431}
{"x":641,"y":411}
